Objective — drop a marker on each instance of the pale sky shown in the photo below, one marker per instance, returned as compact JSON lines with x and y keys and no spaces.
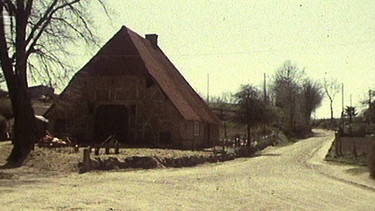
{"x":237,"y":41}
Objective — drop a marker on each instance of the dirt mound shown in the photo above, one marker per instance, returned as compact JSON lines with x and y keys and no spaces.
{"x":66,"y":160}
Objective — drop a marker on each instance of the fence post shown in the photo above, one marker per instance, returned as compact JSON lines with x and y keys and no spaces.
{"x":337,"y":142}
{"x":86,"y":160}
{"x":355,"y":154}
{"x":97,"y":150}
{"x":224,"y":143}
{"x":76,"y":148}
{"x":117,"y":148}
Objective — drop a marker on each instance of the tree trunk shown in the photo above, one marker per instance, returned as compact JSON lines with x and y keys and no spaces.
{"x":24,"y":135}
{"x":24,"y":131}
{"x":331,"y":108}
{"x":248,"y":133}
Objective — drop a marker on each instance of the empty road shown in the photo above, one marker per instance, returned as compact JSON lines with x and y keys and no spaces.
{"x":293,"y":177}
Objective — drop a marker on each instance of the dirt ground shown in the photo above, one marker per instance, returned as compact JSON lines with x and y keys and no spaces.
{"x":65,"y":160}
{"x":293,"y":177}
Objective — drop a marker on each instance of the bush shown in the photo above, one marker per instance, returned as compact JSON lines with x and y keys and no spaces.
{"x":371,"y":161}
{"x":3,"y":128}
{"x":6,"y":108}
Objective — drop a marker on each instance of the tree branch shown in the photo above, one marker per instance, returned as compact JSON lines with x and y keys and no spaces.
{"x":41,"y":21}
{"x":29,"y":5}
{"x":85,"y":24}
{"x":9,"y":7}
{"x":44,"y":22}
{"x":5,"y":60}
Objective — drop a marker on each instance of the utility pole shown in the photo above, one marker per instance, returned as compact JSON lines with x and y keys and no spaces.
{"x":342,"y":100}
{"x":208,"y":87}
{"x":369,"y":106}
{"x":265,"y":88}
{"x":369,"y":98}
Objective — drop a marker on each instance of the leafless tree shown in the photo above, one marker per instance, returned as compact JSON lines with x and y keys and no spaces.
{"x":331,"y":88}
{"x":312,"y":97}
{"x":296,"y":97}
{"x":33,"y":37}
{"x":286,"y":89}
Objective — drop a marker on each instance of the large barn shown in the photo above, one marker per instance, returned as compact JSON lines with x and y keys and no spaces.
{"x":131,"y":90}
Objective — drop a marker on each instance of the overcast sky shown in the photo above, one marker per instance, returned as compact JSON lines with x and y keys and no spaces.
{"x":237,"y":41}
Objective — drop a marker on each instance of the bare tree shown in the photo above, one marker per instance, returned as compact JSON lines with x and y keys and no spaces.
{"x":369,"y":112}
{"x":351,"y":111}
{"x":312,"y":96}
{"x":331,"y":88}
{"x":33,"y":36}
{"x":296,"y":97}
{"x":286,"y":88}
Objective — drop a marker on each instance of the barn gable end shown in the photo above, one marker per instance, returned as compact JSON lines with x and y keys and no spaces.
{"x":130,"y":89}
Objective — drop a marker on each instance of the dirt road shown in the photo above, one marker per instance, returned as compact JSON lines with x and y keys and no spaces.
{"x":293,"y":177}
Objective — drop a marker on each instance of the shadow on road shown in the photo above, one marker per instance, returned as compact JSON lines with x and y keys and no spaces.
{"x":357,"y":170}
{"x":268,"y":154}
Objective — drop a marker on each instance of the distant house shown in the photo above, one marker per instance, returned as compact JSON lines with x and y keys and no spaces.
{"x":40,"y":91}
{"x":130,"y":89}
{"x":41,"y":98}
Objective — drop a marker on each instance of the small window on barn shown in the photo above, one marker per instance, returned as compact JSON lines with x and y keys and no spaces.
{"x":102,"y":95}
{"x":196,"y":128}
{"x":132,"y":112}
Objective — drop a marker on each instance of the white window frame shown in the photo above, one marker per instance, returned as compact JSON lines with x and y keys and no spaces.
{"x":196,"y":128}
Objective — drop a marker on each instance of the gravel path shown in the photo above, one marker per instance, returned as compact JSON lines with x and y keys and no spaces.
{"x":293,"y":177}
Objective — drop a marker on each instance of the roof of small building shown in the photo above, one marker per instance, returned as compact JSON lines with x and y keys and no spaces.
{"x":129,"y":53}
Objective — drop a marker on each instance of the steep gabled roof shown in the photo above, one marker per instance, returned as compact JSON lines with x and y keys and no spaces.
{"x":128,"y":53}
{"x":190,"y":105}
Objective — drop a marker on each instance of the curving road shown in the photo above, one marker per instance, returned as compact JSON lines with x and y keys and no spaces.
{"x":293,"y":177}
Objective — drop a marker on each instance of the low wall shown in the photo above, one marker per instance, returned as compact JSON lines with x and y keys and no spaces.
{"x":351,"y":146}
{"x":352,"y":150}
{"x":148,"y":162}
{"x":360,"y":145}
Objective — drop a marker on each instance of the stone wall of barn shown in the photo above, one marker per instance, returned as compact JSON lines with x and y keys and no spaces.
{"x":71,"y":114}
{"x":198,"y":134}
{"x":152,"y":118}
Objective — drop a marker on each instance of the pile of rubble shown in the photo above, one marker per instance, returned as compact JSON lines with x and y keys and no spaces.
{"x":51,"y":141}
{"x":148,"y":162}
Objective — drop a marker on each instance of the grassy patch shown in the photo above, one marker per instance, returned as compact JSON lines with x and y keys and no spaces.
{"x":6,"y":175}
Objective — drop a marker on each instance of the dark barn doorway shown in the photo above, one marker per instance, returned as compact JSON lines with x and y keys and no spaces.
{"x":111,"y":120}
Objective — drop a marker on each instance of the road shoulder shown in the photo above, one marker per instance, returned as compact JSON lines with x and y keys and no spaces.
{"x":356,"y":175}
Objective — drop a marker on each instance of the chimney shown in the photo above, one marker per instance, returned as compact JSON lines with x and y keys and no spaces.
{"x":153,"y":39}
